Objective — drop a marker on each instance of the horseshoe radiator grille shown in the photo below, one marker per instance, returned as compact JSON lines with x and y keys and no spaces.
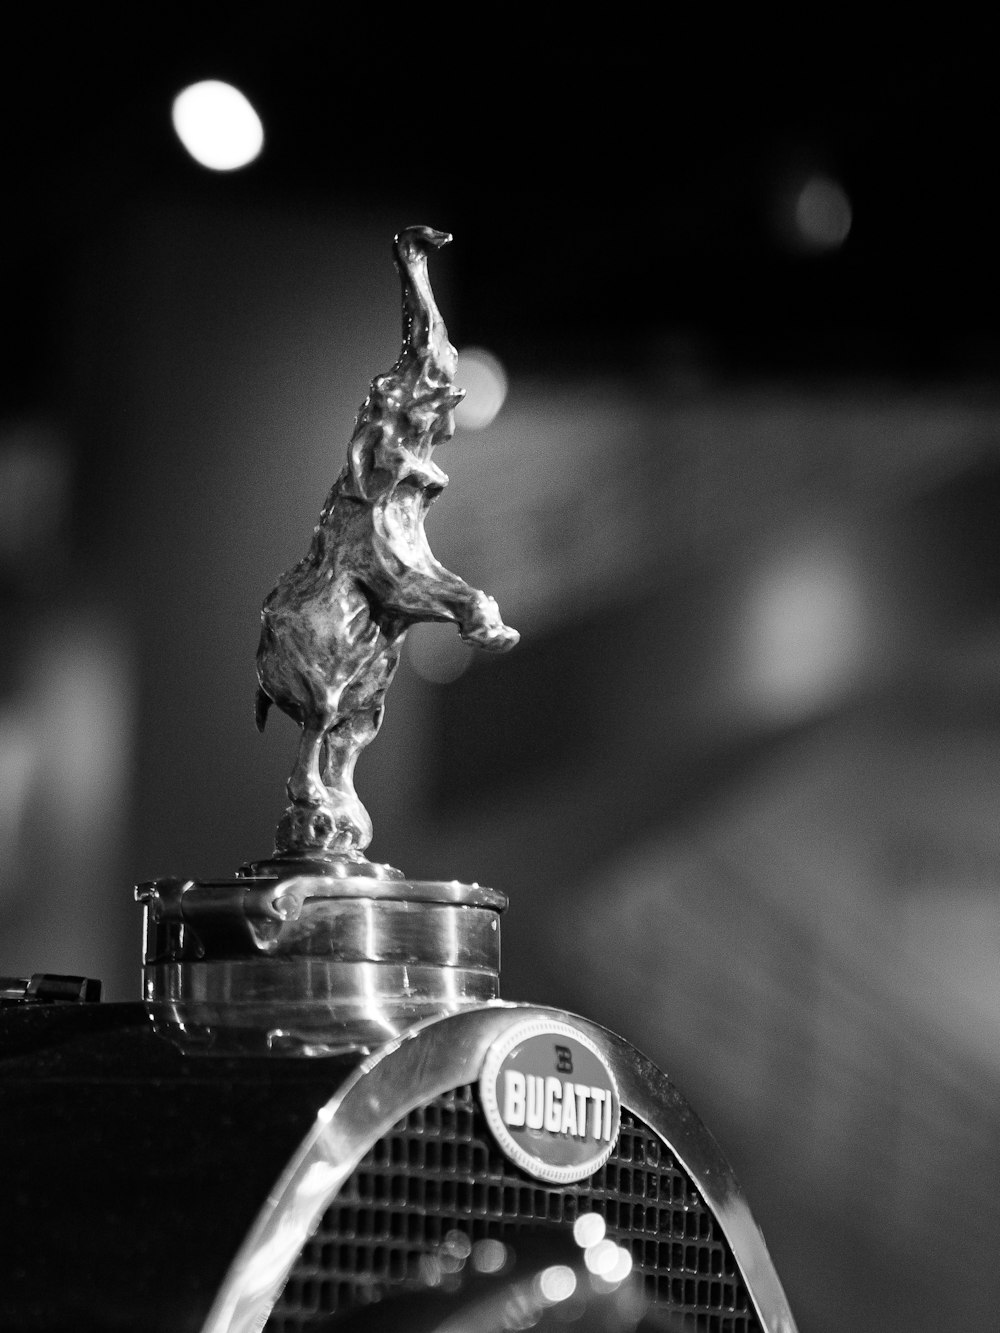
{"x":438,"y":1171}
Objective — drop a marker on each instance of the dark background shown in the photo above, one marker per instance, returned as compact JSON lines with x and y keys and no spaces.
{"x":740,"y":777}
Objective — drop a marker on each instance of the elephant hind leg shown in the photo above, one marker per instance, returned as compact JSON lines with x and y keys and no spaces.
{"x":341,"y":747}
{"x":308,"y":824}
{"x":305,"y":786}
{"x":325,"y":814}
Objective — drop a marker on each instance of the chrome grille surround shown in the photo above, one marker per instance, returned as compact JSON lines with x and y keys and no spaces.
{"x":430,"y":1062}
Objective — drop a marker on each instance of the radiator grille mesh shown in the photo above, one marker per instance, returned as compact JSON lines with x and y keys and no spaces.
{"x":439,"y":1170}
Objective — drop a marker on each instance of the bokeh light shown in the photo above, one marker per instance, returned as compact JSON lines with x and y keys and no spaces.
{"x":621,"y":1267}
{"x":806,"y":628}
{"x":556,"y":1283}
{"x":484,"y":380}
{"x":588,"y":1230}
{"x":601,"y":1259}
{"x":489,"y":1256}
{"x":217,"y":125}
{"x":822,"y":214}
{"x":436,"y":653}
{"x":453,"y":1252}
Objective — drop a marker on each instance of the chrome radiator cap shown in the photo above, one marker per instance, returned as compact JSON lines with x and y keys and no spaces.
{"x":314,"y":964}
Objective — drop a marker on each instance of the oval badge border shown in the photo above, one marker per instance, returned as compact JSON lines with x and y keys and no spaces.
{"x":495,"y":1056}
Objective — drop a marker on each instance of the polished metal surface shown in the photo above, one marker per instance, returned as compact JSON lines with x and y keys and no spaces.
{"x":333,"y":626}
{"x":360,"y":917}
{"x":330,"y":991}
{"x":427,"y":1061}
{"x":302,"y":1006}
{"x":281,"y":867}
{"x":313,"y":964}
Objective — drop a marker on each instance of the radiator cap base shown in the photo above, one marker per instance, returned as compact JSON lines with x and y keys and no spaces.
{"x":314,"y":964}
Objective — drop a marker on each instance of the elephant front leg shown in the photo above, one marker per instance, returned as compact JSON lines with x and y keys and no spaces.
{"x":352,"y":826}
{"x":305,"y":786}
{"x":431,"y":592}
{"x":482,"y":624}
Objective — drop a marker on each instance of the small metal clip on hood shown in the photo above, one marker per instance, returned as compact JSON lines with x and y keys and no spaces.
{"x":49,"y":988}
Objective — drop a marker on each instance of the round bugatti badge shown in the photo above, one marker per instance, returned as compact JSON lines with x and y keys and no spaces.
{"x":550,"y":1100}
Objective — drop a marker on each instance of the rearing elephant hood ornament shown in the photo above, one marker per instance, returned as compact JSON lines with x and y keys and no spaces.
{"x":333,"y":627}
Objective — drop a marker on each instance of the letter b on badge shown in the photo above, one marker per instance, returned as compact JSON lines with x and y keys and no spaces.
{"x":513,"y":1097}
